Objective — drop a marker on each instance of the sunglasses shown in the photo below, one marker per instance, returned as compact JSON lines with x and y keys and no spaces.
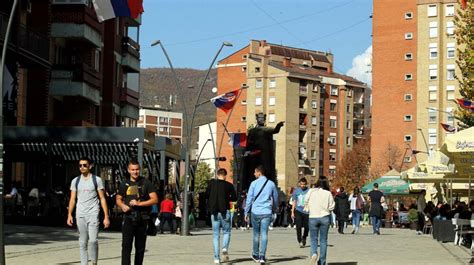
{"x":83,"y":165}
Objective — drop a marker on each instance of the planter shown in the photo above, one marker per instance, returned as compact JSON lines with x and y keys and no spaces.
{"x":413,"y":225}
{"x":388,"y":224}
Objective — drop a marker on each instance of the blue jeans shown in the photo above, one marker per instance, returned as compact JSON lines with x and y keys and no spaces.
{"x":217,"y":222}
{"x":318,"y":229}
{"x":260,"y":224}
{"x":376,"y":223}
{"x":356,"y":219}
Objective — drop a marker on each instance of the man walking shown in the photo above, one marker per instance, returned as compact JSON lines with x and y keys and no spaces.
{"x":88,"y":190}
{"x":220,"y":196}
{"x":300,"y":216}
{"x":420,"y":208}
{"x":262,"y":200}
{"x":376,"y":199}
{"x":135,"y":198}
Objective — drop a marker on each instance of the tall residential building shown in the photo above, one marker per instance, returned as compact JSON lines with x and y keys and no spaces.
{"x":413,"y":69}
{"x":323,"y":111}
{"x":163,"y":122}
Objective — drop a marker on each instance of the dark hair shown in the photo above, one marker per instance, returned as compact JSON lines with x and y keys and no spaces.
{"x":341,"y":189}
{"x":376,"y":185}
{"x":303,"y":180}
{"x":133,"y":162}
{"x":222,"y":172}
{"x":356,"y":190}
{"x":260,"y":169}
{"x":85,"y":158}
{"x":323,"y":183}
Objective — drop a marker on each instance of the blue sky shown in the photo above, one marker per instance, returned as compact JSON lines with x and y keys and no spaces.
{"x":192,"y":30}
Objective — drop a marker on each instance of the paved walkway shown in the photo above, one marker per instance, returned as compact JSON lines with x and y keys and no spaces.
{"x":45,"y":245}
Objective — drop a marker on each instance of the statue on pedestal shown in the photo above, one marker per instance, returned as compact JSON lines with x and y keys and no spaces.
{"x":260,"y":150}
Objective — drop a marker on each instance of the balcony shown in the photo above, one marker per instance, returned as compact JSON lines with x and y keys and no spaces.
{"x":76,"y":80}
{"x":129,"y":96}
{"x":359,"y":115}
{"x":76,"y":22}
{"x":130,"y":46}
{"x":130,"y":55}
{"x":30,"y":45}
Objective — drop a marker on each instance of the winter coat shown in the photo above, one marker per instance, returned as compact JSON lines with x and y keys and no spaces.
{"x":342,"y":209}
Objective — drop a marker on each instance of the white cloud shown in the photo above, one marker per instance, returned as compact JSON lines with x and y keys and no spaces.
{"x":362,"y":67}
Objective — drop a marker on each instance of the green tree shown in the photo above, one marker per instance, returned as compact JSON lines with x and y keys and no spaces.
{"x":464,"y":22}
{"x":203,"y":175}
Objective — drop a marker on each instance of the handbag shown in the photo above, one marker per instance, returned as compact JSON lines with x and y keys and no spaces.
{"x":306,"y":203}
{"x":254,"y":199}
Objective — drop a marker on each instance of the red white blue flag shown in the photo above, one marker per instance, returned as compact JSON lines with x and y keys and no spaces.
{"x":107,"y":9}
{"x":226,"y":101}
{"x":448,"y":127}
{"x":466,"y":104}
{"x":238,"y":139}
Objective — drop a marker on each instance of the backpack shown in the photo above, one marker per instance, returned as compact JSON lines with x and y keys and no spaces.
{"x":94,"y":180}
{"x":359,"y":203}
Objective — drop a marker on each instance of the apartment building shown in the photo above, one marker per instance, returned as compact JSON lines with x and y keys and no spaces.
{"x":413,"y":69}
{"x":299,"y":87}
{"x":163,"y":122}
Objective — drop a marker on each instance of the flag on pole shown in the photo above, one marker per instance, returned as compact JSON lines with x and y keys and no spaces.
{"x":226,"y":101}
{"x":448,"y":127}
{"x":107,"y":9}
{"x":238,"y":139}
{"x":466,"y":103}
{"x":463,"y":4}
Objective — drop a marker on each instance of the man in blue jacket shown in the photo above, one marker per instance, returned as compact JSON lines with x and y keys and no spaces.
{"x":262,"y":200}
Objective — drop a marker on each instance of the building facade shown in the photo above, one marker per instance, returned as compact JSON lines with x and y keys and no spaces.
{"x":206,"y":145}
{"x":299,"y":87}
{"x":413,"y":69}
{"x":162,"y":122}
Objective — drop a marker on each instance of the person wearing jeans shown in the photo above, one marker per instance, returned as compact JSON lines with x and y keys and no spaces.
{"x":320,"y":203}
{"x":262,"y":201}
{"x":221,"y":194}
{"x":298,"y":213}
{"x":357,"y":202}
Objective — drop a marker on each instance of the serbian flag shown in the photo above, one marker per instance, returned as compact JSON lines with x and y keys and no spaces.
{"x":448,"y":127}
{"x":466,"y":103}
{"x":107,"y":9}
{"x":238,"y":139}
{"x":226,"y":101}
{"x":463,"y":4}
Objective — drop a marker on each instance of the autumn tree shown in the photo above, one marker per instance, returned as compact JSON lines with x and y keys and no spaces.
{"x":464,"y":22}
{"x":353,"y":170}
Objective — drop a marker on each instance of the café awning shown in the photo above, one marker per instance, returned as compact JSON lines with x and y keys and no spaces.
{"x":389,"y":184}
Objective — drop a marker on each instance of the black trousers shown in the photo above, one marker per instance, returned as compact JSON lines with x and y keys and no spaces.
{"x":130,"y":231}
{"x":340,"y":226}
{"x":168,"y":217}
{"x":421,"y":221}
{"x":301,"y":221}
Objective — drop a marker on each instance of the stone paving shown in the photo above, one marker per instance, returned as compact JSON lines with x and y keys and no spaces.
{"x":46,"y":245}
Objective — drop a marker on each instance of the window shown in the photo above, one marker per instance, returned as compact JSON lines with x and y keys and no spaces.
{"x":244,"y":56}
{"x":258,"y":101}
{"x":332,"y":140}
{"x":332,"y":106}
{"x":407,"y":138}
{"x":271,"y":117}
{"x":432,"y":136}
{"x":272,"y":83}
{"x":244,"y":68}
{"x":433,"y":50}
{"x":408,"y":118}
{"x":331,"y":171}
{"x":348,"y":140}
{"x":451,"y":50}
{"x":433,"y":93}
{"x":408,"y":15}
{"x":432,"y":10}
{"x":450,"y":92}
{"x":433,"y":71}
{"x":450,"y":72}
{"x":97,"y":59}
{"x":449,"y":10}
{"x":313,"y":137}
{"x":450,"y":116}
{"x":348,"y":108}
{"x":348,"y":124}
{"x":258,"y":83}
{"x":450,"y":28}
{"x":313,"y":154}
{"x":433,"y":29}
{"x":408,"y":77}
{"x":257,"y":69}
{"x":271,"y":101}
{"x":244,"y":102}
{"x":349,"y":92}
{"x":243,"y":118}
{"x":407,"y":159}
{"x":315,"y":87}
{"x":408,"y":97}
{"x":333,"y":122}
{"x":408,"y":56}
{"x":432,"y":115}
{"x":314,"y":121}
{"x":408,"y":36}
{"x":314,"y":104}
{"x":333,"y":90}
{"x":332,"y":155}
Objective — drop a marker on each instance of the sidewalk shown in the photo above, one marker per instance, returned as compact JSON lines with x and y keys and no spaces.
{"x":46,"y":245}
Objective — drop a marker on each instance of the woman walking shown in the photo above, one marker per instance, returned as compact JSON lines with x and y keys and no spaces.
{"x":320,"y":203}
{"x":357,"y":205}
{"x":342,"y":210}
{"x":167,"y":213}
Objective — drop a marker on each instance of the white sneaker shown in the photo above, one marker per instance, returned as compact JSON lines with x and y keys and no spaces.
{"x":314,"y":259}
{"x":216,"y":261}
{"x":270,"y":227}
{"x":225,"y":255}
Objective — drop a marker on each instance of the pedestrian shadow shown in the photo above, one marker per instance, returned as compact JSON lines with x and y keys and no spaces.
{"x":343,"y":263}
{"x":270,"y":260}
{"x":79,"y":262}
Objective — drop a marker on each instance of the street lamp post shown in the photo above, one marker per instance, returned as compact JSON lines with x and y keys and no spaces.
{"x":185,"y":222}
{"x":2,"y":66}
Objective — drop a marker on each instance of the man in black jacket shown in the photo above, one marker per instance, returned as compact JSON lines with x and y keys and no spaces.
{"x":220,"y":193}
